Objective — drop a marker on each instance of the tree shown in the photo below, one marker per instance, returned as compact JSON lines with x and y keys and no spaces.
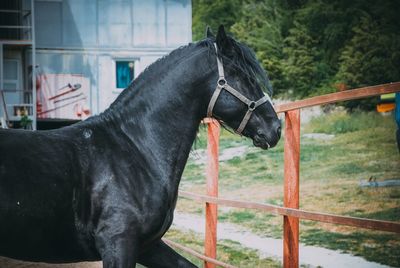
{"x":299,"y":61}
{"x":307,"y":46}
{"x":213,"y":13}
{"x":259,"y":27}
{"x":370,"y":57}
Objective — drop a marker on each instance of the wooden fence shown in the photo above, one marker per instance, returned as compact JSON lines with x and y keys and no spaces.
{"x":290,"y":211}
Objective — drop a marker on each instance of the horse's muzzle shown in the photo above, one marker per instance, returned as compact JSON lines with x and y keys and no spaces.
{"x":266,"y":141}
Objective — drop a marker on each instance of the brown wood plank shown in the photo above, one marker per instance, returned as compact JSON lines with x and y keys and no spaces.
{"x":196,"y":254}
{"x":291,"y":188}
{"x":388,"y":226}
{"x":212,"y":169}
{"x":352,"y":94}
{"x":232,"y":203}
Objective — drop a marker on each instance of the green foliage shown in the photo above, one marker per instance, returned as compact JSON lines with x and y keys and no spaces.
{"x":265,"y":35}
{"x":25,"y":122}
{"x":300,"y":54}
{"x":366,"y":59}
{"x":253,"y":16}
{"x":213,"y":13}
{"x":309,"y":46}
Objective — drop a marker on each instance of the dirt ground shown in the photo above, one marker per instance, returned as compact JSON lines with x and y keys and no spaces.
{"x":10,"y":263}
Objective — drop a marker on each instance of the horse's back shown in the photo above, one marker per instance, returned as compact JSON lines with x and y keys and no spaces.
{"x":37,"y":177}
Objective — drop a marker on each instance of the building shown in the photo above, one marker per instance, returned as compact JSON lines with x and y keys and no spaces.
{"x":85,"y":52}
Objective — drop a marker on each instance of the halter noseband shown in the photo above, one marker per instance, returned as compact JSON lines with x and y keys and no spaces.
{"x":223,"y":84}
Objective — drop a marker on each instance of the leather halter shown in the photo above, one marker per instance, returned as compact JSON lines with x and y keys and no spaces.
{"x":223,"y":84}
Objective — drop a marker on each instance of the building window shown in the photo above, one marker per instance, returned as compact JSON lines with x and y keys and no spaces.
{"x":125,"y":71}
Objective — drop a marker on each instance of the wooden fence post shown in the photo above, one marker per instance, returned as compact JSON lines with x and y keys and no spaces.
{"x":210,"y":245}
{"x":291,"y":188}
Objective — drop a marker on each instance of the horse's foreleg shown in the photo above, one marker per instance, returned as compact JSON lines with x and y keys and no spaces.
{"x":161,"y":255}
{"x":117,"y":252}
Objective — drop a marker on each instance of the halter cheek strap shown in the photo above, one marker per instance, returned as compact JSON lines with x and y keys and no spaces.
{"x":222,"y":84}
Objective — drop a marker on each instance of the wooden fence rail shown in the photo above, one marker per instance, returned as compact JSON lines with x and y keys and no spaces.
{"x":290,"y":211}
{"x":388,"y":226}
{"x":198,"y":255}
{"x":353,"y":94}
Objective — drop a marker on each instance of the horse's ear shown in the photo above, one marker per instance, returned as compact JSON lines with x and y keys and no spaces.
{"x":223,"y":41}
{"x":209,"y":33}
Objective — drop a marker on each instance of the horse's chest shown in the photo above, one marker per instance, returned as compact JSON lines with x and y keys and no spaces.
{"x":157,"y":228}
{"x":167,"y":221}
{"x":157,"y":217}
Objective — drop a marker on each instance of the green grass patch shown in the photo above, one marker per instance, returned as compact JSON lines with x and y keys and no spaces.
{"x":343,"y":122}
{"x":241,"y":216}
{"x":377,"y":247}
{"x":264,"y":224}
{"x":348,"y":168}
{"x":391,"y":214}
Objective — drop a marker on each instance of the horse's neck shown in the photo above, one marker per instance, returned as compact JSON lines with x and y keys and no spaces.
{"x":161,"y":116}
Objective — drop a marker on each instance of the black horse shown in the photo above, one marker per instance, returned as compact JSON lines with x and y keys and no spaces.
{"x":106,"y":188}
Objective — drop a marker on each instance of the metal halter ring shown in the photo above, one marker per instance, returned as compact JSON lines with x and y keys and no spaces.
{"x":222,"y":82}
{"x":252,"y":106}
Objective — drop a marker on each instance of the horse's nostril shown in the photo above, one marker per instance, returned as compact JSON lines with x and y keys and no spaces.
{"x":278,"y":131}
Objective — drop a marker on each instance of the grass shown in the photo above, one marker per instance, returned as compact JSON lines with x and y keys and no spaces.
{"x":364,"y":146}
{"x":358,"y":242}
{"x":342,"y":122}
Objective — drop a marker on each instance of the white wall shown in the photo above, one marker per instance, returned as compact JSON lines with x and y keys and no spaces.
{"x":87,"y":36}
{"x":112,"y":23}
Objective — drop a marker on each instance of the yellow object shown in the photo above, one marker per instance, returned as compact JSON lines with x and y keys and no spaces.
{"x":389,"y":96}
{"x":385,"y":107}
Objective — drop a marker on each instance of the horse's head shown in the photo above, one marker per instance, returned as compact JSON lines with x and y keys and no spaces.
{"x":238,"y":98}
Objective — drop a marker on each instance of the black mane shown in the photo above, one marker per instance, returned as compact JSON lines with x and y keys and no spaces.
{"x":173,"y":58}
{"x":243,"y":58}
